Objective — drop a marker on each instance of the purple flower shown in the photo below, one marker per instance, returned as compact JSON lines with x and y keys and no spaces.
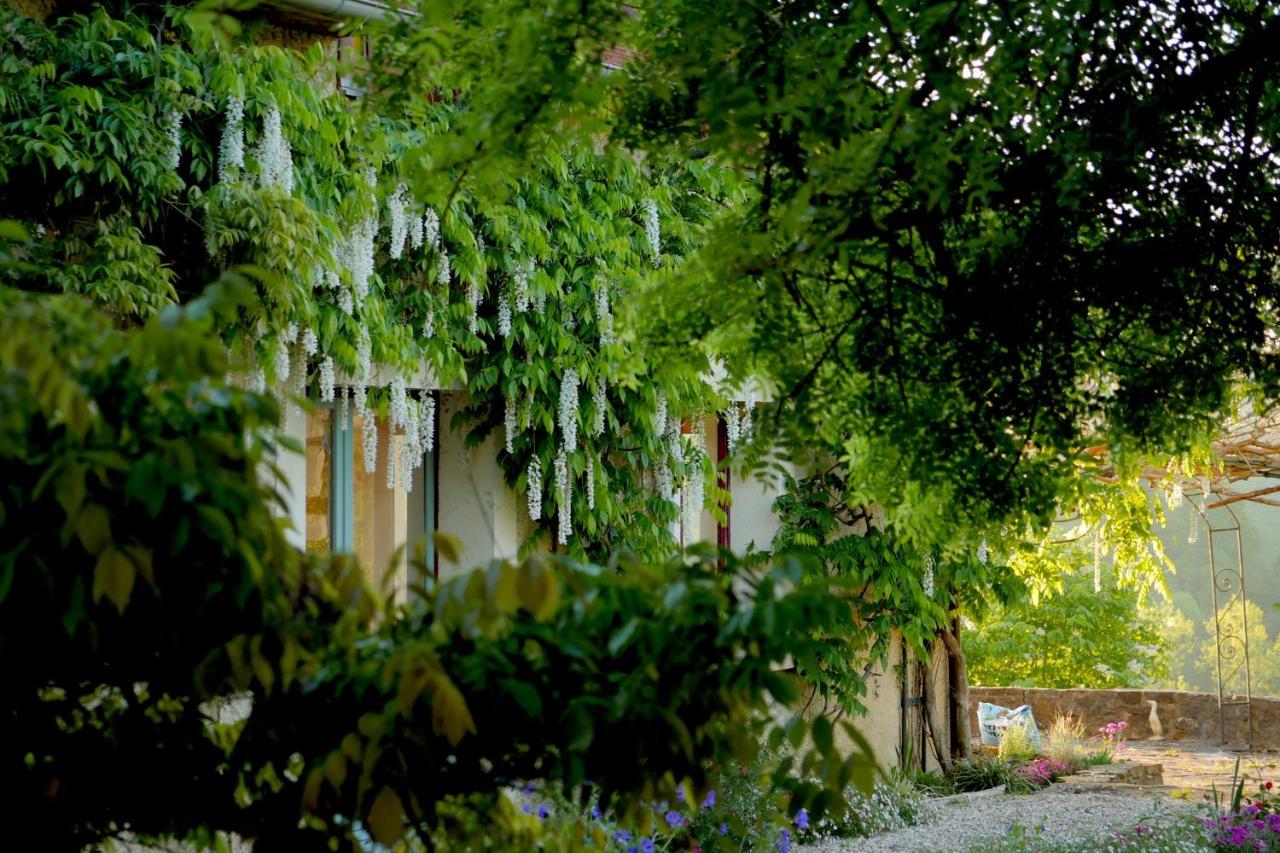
{"x":633,"y":849}
{"x":674,"y":819}
{"x":595,"y":811}
{"x":646,"y":845}
{"x":528,"y":808}
{"x":784,"y":842}
{"x":710,"y":801}
{"x":802,"y":819}
{"x":528,"y":787}
{"x":543,"y":812}
{"x":679,"y":795}
{"x":724,"y":829}
{"x":622,"y":836}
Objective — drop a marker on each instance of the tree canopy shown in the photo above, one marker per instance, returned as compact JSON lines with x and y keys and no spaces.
{"x":982,"y":238}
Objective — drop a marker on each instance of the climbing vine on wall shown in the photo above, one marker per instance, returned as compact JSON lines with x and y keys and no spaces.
{"x":146,"y":159}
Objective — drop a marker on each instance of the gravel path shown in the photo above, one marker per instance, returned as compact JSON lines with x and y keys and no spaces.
{"x":1061,"y":812}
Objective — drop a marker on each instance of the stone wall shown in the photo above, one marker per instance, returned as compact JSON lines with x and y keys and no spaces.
{"x":1183,"y":714}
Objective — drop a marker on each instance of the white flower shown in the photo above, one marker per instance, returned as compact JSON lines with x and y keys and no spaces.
{"x":663,"y":480}
{"x":474,"y":297}
{"x":310,"y":343}
{"x":590,"y":474}
{"x":359,"y":399}
{"x":282,"y":360}
{"x":326,"y":380}
{"x":291,"y":333}
{"x":509,"y":425}
{"x":660,"y":414}
{"x":275,"y":159}
{"x":568,"y":412}
{"x":360,"y":255}
{"x":258,"y":381}
{"x":429,"y":324}
{"x":415,"y":232}
{"x":504,"y":316}
{"x":520,"y":278}
{"x":231,"y":149}
{"x":369,"y":441}
{"x":732,"y":426}
{"x":344,"y":409}
{"x":564,"y":497}
{"x":600,"y":402}
{"x":427,"y":422}
{"x":982,"y":552}
{"x":1175,"y":494}
{"x":346,"y":303}
{"x":364,"y":356}
{"x":431,"y":229}
{"x":398,"y":223}
{"x":444,"y":272}
{"x":393,"y":466}
{"x":927,"y":581}
{"x":172,"y":124}
{"x":533,"y":488}
{"x":604,"y":318}
{"x":398,"y":410}
{"x":331,"y":280}
{"x":652,"y":231}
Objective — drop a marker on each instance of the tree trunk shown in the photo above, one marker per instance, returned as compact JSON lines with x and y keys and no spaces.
{"x":961,"y":738}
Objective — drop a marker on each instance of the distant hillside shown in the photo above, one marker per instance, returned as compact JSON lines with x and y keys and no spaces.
{"x":1191,"y":584}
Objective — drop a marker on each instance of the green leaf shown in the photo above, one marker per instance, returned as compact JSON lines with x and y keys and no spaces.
{"x":113,"y":576}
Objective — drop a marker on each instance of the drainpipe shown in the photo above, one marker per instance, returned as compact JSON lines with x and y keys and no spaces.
{"x":362,"y":9}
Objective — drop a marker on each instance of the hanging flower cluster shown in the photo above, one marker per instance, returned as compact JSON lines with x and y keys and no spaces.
{"x":604,"y":318}
{"x":983,"y":554}
{"x":474,"y":296}
{"x":397,"y":220}
{"x":326,"y":380}
{"x":590,"y":475}
{"x":310,"y":343}
{"x":173,"y":130}
{"x":564,"y":497}
{"x":231,"y":148}
{"x":600,"y":402}
{"x":431,"y":229}
{"x":694,"y":496}
{"x":533,"y":488}
{"x":652,"y":231}
{"x":568,"y":412}
{"x":927,"y":581}
{"x":520,"y":280}
{"x":275,"y":157}
{"x":509,"y":425}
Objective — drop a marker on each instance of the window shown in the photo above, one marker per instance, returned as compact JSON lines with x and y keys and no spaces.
{"x":353,"y":511}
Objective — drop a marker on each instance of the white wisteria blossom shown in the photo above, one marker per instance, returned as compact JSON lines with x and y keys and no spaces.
{"x":732,"y":427}
{"x":310,"y":343}
{"x":326,"y":380}
{"x":533,"y":488}
{"x":474,"y":296}
{"x":599,"y":402}
{"x":660,"y":414}
{"x":346,"y":302}
{"x":927,"y":581}
{"x":415,"y":232}
{"x":398,"y":409}
{"x":567,"y":415}
{"x":258,"y":381}
{"x":520,"y":284}
{"x":291,"y":333}
{"x":431,"y":229}
{"x":504,"y":315}
{"x":983,"y":553}
{"x":275,"y":158}
{"x":429,"y":324}
{"x":427,"y":422}
{"x":282,"y":360}
{"x":359,"y":255}
{"x":360,"y":400}
{"x":590,"y":475}
{"x":172,"y":124}
{"x":663,"y":480}
{"x":509,"y":425}
{"x":564,"y":497}
{"x":393,"y":462}
{"x":444,"y":271}
{"x":604,"y":317}
{"x":652,"y":231}
{"x":397,"y":220}
{"x":694,"y":494}
{"x":364,"y":356}
{"x":231,"y":148}
{"x":344,"y":408}
{"x":369,"y":442}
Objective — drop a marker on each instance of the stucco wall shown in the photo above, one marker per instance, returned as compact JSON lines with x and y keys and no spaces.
{"x":1183,"y":714}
